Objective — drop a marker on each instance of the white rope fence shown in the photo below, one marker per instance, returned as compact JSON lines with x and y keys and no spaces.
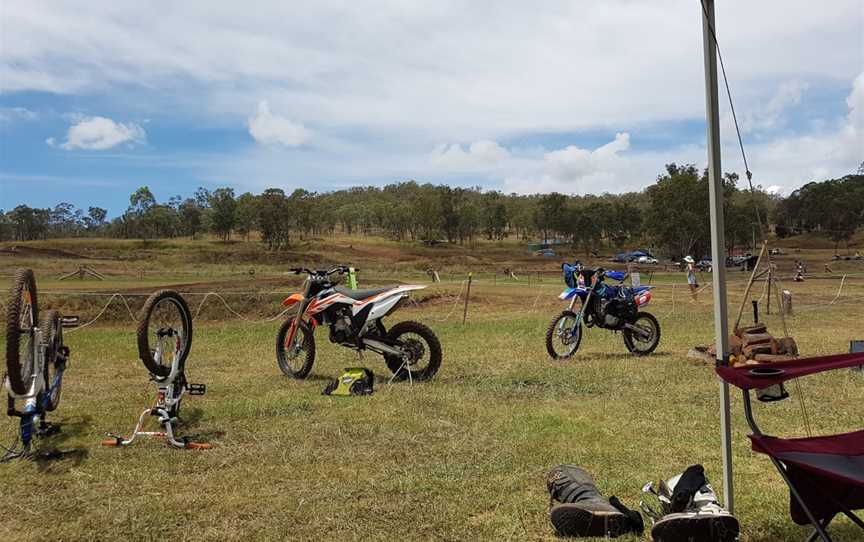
{"x":840,"y":289}
{"x":455,"y":303}
{"x":105,"y":308}
{"x":535,"y":306}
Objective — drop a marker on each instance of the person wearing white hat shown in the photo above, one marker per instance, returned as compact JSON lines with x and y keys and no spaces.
{"x":691,"y":276}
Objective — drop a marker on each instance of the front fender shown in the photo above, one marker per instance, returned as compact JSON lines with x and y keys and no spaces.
{"x":570,"y":292}
{"x":291,"y":299}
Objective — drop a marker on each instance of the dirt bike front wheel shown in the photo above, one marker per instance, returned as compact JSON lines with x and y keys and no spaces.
{"x":564,"y":335}
{"x":422,"y":352}
{"x":164,"y":332}
{"x":22,"y":313}
{"x":295,"y":360}
{"x":645,"y":339}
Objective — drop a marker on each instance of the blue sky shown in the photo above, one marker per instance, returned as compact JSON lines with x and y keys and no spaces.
{"x":98,"y":98}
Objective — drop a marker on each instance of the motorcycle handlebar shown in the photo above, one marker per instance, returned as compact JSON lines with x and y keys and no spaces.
{"x":341,"y":269}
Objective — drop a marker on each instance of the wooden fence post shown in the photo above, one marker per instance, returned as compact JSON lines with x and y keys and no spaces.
{"x":467,"y":297}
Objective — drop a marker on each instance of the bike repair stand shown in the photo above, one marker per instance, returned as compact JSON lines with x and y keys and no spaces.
{"x":170,"y":393}
{"x":30,"y":420}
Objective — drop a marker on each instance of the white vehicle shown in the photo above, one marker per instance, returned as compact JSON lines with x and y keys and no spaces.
{"x":650,"y":260}
{"x":355,"y":317}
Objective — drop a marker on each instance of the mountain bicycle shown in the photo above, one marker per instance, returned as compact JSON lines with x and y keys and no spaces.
{"x":33,"y":352}
{"x":164,"y":341}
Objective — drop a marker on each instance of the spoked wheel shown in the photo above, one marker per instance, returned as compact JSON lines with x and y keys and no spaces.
{"x":22,"y":313}
{"x":295,"y":360}
{"x":643,"y":340}
{"x":164,"y":332}
{"x":421,"y":356}
{"x":564,"y":335}
{"x":52,"y":334}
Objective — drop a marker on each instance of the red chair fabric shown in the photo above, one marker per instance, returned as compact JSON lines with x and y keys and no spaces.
{"x":742,"y":376}
{"x":840,"y":457}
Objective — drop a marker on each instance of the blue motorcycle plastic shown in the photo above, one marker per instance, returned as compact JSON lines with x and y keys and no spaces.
{"x":612,"y":307}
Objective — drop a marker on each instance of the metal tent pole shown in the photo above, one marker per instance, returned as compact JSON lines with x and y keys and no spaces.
{"x":718,"y":242}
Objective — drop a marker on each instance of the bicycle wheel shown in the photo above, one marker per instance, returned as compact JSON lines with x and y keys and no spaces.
{"x":22,"y":313}
{"x":52,"y":335}
{"x":164,"y":332}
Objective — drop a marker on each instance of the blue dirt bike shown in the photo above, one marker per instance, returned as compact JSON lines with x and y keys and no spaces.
{"x":595,"y":303}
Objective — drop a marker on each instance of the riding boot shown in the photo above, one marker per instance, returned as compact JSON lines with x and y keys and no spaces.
{"x":582,"y":510}
{"x":690,"y":511}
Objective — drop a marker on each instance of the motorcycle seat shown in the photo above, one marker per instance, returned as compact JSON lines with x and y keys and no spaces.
{"x":359,"y":295}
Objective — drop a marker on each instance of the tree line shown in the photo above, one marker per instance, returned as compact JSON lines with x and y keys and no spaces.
{"x":671,"y":215}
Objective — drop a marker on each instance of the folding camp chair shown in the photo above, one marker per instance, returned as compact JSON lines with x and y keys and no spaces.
{"x":825,"y":474}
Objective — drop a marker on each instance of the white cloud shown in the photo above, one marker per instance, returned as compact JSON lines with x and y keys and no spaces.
{"x":480,"y":155}
{"x":99,"y":133}
{"x":444,"y":71}
{"x":10,"y":114}
{"x":389,"y":82}
{"x":268,"y":128}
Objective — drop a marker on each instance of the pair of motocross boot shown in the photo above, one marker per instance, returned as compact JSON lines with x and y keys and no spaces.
{"x":684,"y":508}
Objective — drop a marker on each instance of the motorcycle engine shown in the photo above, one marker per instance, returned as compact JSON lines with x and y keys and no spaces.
{"x":609,"y":313}
{"x":341,"y":331}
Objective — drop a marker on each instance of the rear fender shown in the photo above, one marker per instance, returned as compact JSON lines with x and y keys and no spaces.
{"x":642,"y":298}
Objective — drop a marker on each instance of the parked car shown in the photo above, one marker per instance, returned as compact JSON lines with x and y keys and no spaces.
{"x":704,"y":265}
{"x":650,"y":260}
{"x":546,"y":252}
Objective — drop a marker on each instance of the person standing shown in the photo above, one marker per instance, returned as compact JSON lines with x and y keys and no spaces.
{"x":691,"y":276}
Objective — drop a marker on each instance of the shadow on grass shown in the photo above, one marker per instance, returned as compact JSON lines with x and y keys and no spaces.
{"x":627,"y":355}
{"x":190,"y":419}
{"x":52,"y":458}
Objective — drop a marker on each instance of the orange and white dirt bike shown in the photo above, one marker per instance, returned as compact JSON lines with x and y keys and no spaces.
{"x":355,"y":318}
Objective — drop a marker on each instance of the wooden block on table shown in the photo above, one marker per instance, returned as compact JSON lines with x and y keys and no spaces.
{"x":755,"y":328}
{"x":787,"y":346}
{"x":750,"y":351}
{"x":772,"y":358}
{"x":735,"y":345}
{"x":756,"y":338}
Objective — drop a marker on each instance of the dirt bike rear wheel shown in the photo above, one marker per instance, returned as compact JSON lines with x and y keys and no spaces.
{"x":411,"y":336}
{"x":638,"y":345}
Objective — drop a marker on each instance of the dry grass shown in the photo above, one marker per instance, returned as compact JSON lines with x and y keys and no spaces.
{"x":460,"y":458}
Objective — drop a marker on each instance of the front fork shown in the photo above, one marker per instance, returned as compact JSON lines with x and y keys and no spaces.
{"x":580,"y":316}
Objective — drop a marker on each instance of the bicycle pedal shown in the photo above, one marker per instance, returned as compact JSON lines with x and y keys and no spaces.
{"x":69,"y":321}
{"x":196,"y":389}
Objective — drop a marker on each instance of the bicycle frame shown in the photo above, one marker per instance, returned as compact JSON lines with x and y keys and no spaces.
{"x":33,"y":414}
{"x":166,"y":401}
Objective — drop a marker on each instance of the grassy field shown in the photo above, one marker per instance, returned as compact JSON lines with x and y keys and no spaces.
{"x":462,"y":457}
